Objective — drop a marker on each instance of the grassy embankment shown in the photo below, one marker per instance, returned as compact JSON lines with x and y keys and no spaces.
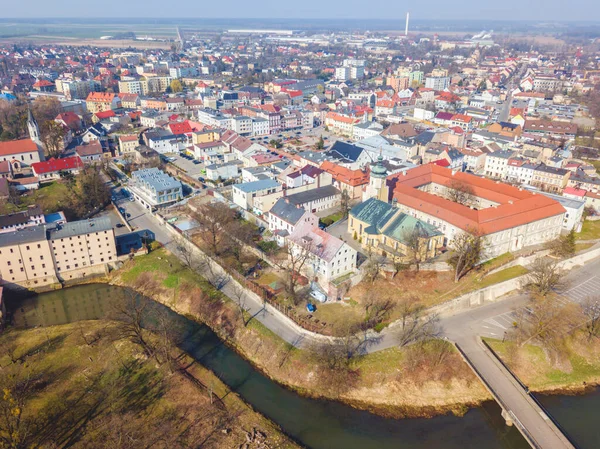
{"x":82,"y":388}
{"x":422,"y":380}
{"x":574,"y":369}
{"x":590,"y":230}
{"x":431,"y":287}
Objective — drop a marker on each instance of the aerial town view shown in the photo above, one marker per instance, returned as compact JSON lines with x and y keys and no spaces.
{"x":340,"y":226}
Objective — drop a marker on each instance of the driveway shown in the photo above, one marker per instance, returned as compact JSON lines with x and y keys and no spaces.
{"x":340,"y":230}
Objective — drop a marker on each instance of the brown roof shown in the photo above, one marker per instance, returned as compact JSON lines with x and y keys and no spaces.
{"x":516,"y":207}
{"x":551,"y":126}
{"x":17,"y":147}
{"x":400,"y":129}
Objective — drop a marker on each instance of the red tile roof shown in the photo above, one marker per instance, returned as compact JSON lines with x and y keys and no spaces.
{"x":180,"y":128}
{"x":54,"y":165}
{"x":69,"y":118}
{"x":344,"y":175}
{"x":17,"y":147}
{"x":516,"y":207}
{"x":100,"y":97}
{"x":105,"y":114}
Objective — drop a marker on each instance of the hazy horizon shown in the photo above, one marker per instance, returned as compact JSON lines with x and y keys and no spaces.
{"x":526,"y":10}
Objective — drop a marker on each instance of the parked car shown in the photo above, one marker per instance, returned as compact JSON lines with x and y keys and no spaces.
{"x":311,"y":307}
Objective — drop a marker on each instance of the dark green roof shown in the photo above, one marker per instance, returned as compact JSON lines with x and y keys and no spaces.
{"x":404,"y":225}
{"x":377,"y":214}
{"x":372,"y":211}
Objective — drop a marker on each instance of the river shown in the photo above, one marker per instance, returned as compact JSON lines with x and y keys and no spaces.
{"x":317,"y":424}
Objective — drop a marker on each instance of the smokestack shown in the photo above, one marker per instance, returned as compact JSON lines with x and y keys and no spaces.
{"x":406,"y":30}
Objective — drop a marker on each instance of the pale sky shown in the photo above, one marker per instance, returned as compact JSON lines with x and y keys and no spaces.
{"x":543,"y":10}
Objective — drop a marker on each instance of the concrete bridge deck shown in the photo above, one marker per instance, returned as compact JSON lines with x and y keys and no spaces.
{"x":518,"y":407}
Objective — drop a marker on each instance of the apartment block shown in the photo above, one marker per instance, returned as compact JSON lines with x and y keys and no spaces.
{"x":48,"y":253}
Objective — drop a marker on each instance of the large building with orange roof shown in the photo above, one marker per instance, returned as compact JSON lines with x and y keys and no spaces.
{"x":347,"y":180}
{"x":510,"y":218}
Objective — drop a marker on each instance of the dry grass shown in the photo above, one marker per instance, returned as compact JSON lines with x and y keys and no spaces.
{"x":381,"y":380}
{"x":113,"y":386}
{"x":577,"y":366}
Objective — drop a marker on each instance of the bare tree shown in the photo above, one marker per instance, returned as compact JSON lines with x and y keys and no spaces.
{"x":213,"y":272}
{"x":129,"y":312}
{"x":545,"y":275}
{"x":545,"y":320}
{"x":299,"y":254}
{"x":414,"y":324}
{"x":459,"y":191}
{"x":52,"y":135}
{"x":378,"y":307}
{"x":214,"y":220}
{"x":188,"y":253}
{"x":239,"y":296}
{"x":590,"y":309}
{"x":373,"y":265}
{"x":345,"y":203}
{"x":468,"y":251}
{"x":416,"y":242}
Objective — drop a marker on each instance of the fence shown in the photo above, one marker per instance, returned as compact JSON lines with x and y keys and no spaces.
{"x":304,"y":323}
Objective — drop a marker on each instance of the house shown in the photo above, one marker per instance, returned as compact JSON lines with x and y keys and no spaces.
{"x":20,"y":153}
{"x":54,"y":169}
{"x":550,"y":179}
{"x":308,"y":175}
{"x":128,"y":143}
{"x":554,"y":129}
{"x":70,"y":120}
{"x":227,"y":170}
{"x":496,"y":164}
{"x":510,"y":130}
{"x":94,"y":132}
{"x":33,"y":216}
{"x":316,"y":200}
{"x":381,"y":227}
{"x":329,"y":257}
{"x":347,"y":180}
{"x":102,"y":101}
{"x":90,"y":153}
{"x":340,"y":124}
{"x":284,"y":217}
{"x":244,"y":193}
{"x":5,"y":170}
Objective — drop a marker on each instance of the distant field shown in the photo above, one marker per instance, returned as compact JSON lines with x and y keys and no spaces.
{"x":82,"y":30}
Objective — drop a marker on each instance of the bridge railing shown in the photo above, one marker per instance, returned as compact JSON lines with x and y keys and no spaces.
{"x":528,"y":436}
{"x":532,"y":396}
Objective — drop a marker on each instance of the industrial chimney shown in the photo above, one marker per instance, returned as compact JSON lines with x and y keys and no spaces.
{"x":406,"y":30}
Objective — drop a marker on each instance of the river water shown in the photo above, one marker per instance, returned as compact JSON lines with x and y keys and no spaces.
{"x":317,"y":424}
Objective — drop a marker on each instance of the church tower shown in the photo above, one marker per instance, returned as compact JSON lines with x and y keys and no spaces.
{"x":377,"y":187}
{"x":33,"y":128}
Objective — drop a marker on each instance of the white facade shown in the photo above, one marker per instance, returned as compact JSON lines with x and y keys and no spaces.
{"x":242,"y":125}
{"x":496,"y":166}
{"x":260,"y":127}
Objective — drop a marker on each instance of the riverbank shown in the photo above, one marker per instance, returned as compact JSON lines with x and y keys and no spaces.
{"x":417,"y":381}
{"x":79,"y":383}
{"x":574,"y":369}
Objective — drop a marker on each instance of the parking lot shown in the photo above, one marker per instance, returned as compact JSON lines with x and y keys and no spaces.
{"x":187,"y":164}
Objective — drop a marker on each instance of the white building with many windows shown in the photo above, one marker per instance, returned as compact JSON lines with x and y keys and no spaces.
{"x":152,"y":188}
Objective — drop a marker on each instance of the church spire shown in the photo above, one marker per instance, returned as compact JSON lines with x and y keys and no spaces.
{"x":33,"y":128}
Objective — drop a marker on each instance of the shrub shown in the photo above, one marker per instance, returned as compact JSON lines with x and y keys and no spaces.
{"x":267,"y":246}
